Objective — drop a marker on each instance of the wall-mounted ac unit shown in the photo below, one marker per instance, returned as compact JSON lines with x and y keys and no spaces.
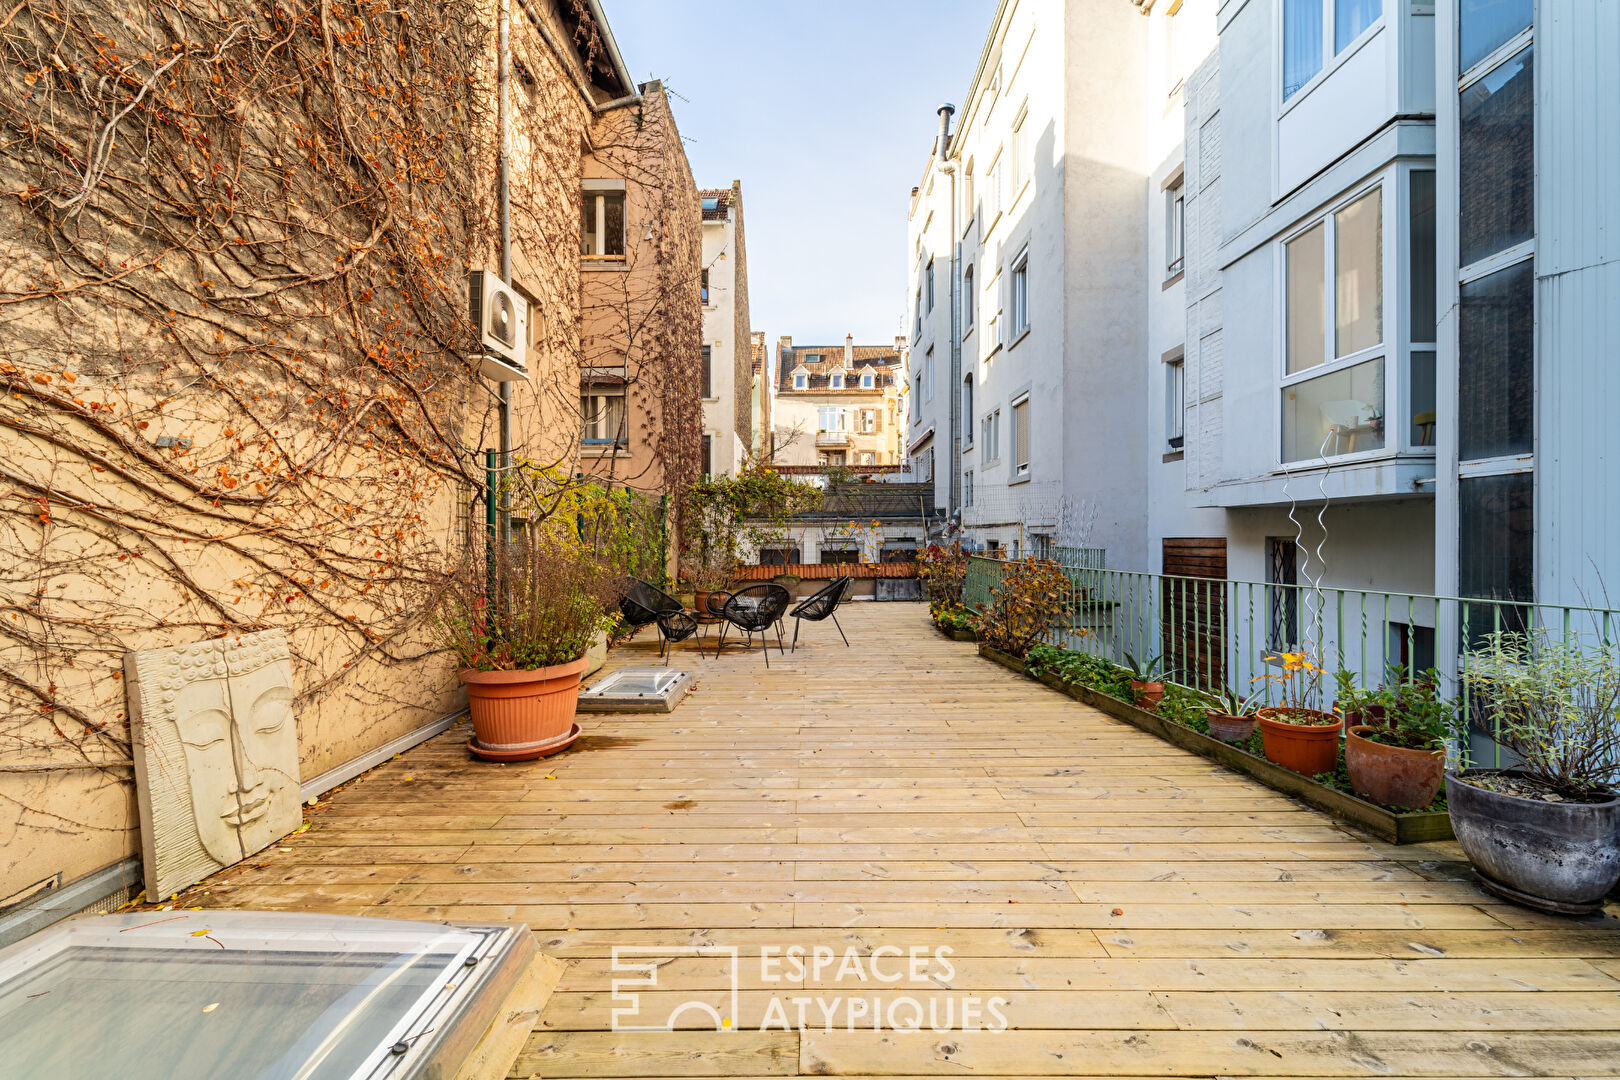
{"x":502,"y":317}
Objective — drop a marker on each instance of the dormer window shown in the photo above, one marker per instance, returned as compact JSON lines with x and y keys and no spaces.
{"x":866,"y":381}
{"x":800,"y":381}
{"x":838,"y":381}
{"x":711,"y":202}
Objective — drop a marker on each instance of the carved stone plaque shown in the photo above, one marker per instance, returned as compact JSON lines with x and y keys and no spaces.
{"x":216,"y":754}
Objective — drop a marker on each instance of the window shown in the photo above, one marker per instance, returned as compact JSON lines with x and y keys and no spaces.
{"x":967,"y":409}
{"x":831,"y":418}
{"x":1421,"y":396}
{"x":1175,"y":228}
{"x":812,"y":358}
{"x":928,"y":375}
{"x":602,"y":223}
{"x":838,"y":381}
{"x":967,"y":487}
{"x":703,"y":288}
{"x":1019,"y":167}
{"x":868,"y":458}
{"x":866,"y":380}
{"x":967,"y":194}
{"x":708,"y":373}
{"x":1496,"y":160}
{"x":1307,"y":26}
{"x":1020,"y":422}
{"x":1496,"y":354}
{"x":967,"y":299}
{"x":1282,"y":600}
{"x":603,"y":417}
{"x":1020,"y":294}
{"x":991,"y":450}
{"x":708,"y":456}
{"x":1339,"y":410}
{"x":928,"y":284}
{"x":711,"y":202}
{"x":916,"y":330}
{"x":800,"y":381}
{"x":868,"y":422}
{"x":992,"y":193}
{"x":1175,"y":402}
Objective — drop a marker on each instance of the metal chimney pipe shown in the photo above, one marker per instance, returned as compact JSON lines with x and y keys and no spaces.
{"x":946,"y":111}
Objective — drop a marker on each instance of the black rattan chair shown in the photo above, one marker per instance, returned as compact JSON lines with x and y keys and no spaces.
{"x":676,"y":626}
{"x":755,"y":609}
{"x":642,"y":603}
{"x":822,"y":604}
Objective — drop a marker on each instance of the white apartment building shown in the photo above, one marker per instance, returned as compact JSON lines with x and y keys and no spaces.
{"x":1025,"y":216}
{"x":1361,"y":254}
{"x":728,"y":350}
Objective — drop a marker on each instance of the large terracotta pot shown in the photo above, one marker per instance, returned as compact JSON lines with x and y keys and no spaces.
{"x":1308,"y":749}
{"x":521,"y":715}
{"x":1559,"y":857}
{"x":1147,"y":694}
{"x":1229,"y":728}
{"x":1392,"y":775}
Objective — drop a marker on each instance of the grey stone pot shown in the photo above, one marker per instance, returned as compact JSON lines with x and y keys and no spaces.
{"x":1555,"y":857}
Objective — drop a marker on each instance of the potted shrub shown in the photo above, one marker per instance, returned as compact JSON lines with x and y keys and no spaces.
{"x":1232,"y":718}
{"x":1545,"y":834}
{"x":1147,"y":681}
{"x":1401,"y":761}
{"x":1357,"y":705}
{"x":1032,"y":598}
{"x":1296,"y":735}
{"x":519,"y":630}
{"x":707,"y":576}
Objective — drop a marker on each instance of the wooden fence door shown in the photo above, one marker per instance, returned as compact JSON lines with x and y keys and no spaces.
{"x":1193,"y":615}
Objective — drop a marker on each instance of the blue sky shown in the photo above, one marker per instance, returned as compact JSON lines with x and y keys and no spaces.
{"x":825,"y":112}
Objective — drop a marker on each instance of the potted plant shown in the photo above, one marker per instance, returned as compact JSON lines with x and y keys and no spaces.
{"x":519,"y":626}
{"x":1357,"y":705}
{"x":1032,"y":598}
{"x":1402,"y":760}
{"x":1147,"y":681}
{"x":707,"y":576}
{"x":1296,"y":735}
{"x":1232,"y":718}
{"x":1545,"y":834}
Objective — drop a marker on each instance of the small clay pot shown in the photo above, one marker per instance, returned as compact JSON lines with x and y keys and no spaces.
{"x":1147,"y":694}
{"x":1229,"y":728}
{"x":1308,"y":749}
{"x":1392,"y":775}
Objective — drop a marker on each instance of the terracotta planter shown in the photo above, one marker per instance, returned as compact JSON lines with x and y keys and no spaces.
{"x":1392,"y":775}
{"x":1308,"y":749}
{"x":1148,"y":694}
{"x":1228,"y":728}
{"x":700,"y":606}
{"x":522,"y":715}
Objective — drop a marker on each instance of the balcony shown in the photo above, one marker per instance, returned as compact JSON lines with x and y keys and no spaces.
{"x":832,"y":438}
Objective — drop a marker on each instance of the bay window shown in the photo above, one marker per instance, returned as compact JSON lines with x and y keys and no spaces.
{"x":1314,"y":29}
{"x":1333,"y":395}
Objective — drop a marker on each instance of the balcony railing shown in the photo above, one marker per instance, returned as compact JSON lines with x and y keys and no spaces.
{"x":1216,"y":631}
{"x":832,"y":438}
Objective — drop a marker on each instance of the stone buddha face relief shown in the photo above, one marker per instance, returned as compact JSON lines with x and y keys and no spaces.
{"x":216,"y":754}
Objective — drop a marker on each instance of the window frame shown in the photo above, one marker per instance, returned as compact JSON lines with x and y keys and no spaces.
{"x":967,"y":410}
{"x":1330,"y":58}
{"x":1175,"y":401}
{"x":1396,"y":346}
{"x":1019,"y":177}
{"x":601,"y":190}
{"x":801,"y":381}
{"x":968,"y":306}
{"x":1018,"y":296}
{"x":593,"y":416}
{"x":1020,"y":407}
{"x":1175,"y":227}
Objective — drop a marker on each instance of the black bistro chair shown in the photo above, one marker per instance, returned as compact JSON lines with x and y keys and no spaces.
{"x":676,"y":626}
{"x":822,"y":605}
{"x":755,"y":610}
{"x":645,"y":604}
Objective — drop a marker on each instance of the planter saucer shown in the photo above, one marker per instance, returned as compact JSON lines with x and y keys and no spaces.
{"x":1536,"y":903}
{"x":525,"y":752}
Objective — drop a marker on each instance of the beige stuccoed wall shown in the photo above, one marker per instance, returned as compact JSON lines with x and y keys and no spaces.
{"x":106,"y":552}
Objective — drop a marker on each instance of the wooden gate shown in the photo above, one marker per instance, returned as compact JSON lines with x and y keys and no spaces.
{"x":1193,"y":622}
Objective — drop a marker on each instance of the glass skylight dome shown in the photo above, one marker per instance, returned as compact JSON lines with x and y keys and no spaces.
{"x":252,"y":996}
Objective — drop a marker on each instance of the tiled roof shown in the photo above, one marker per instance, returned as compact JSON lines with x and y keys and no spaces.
{"x":722,"y":202}
{"x":761,"y":354}
{"x":882,"y":360}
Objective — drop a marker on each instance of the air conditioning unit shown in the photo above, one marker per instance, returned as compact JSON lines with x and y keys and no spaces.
{"x":502,"y":318}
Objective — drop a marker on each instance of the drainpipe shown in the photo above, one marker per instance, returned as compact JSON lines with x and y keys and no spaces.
{"x":503,"y":82}
{"x":954,"y":259}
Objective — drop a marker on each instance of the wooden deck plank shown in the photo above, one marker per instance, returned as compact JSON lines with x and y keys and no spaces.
{"x":1139,"y":911}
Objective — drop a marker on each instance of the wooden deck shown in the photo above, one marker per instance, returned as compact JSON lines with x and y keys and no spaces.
{"x":1139,"y":911}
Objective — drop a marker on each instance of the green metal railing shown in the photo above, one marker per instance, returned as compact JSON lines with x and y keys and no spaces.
{"x":1217,"y":631}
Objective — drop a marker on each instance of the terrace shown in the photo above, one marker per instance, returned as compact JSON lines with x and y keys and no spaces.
{"x":1139,"y":910}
